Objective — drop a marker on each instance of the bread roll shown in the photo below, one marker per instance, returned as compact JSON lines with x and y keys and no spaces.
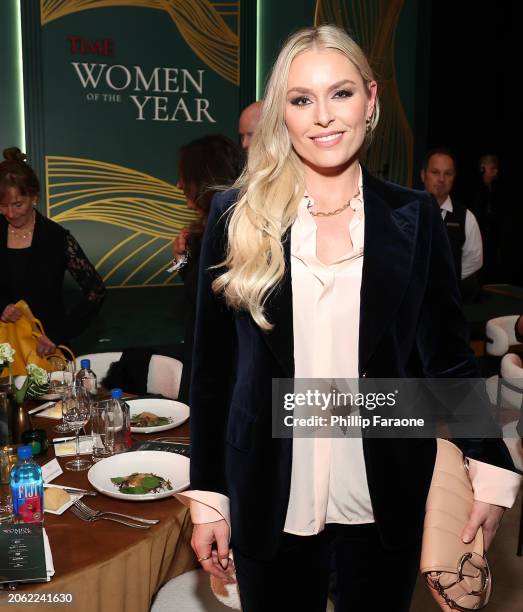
{"x":55,"y":498}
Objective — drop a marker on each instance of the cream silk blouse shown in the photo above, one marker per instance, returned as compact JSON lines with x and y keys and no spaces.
{"x":326,"y":306}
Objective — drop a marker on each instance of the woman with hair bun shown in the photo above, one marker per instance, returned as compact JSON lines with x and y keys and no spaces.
{"x":35,"y":253}
{"x":314,"y":269}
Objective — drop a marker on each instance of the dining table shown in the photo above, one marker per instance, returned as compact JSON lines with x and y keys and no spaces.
{"x":103,"y":565}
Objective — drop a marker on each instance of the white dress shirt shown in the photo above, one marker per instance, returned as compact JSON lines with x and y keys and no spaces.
{"x":472,"y":249}
{"x":328,"y":480}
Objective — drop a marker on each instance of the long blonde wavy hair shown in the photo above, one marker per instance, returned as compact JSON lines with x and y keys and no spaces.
{"x":272,"y":183}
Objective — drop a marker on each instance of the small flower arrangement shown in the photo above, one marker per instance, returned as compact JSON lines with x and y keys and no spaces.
{"x":35,"y":385}
{"x":7,"y":355}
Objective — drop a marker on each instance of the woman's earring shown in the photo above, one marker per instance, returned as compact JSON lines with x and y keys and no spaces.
{"x":367,"y":124}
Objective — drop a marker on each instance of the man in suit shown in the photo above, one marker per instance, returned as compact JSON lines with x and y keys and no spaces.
{"x":438,"y":175}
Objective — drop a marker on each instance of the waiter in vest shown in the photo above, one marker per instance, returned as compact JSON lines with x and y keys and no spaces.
{"x":438,"y":175}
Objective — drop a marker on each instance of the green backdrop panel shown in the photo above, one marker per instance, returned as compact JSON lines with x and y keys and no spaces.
{"x":124,"y":87}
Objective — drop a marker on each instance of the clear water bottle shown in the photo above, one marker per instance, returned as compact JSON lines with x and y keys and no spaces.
{"x":27,"y":490}
{"x":86,"y":378}
{"x":122,"y":422}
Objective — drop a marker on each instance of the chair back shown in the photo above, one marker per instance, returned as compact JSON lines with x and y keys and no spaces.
{"x":500,"y":335}
{"x":512,"y":381}
{"x":100,"y":362}
{"x":164,"y":376}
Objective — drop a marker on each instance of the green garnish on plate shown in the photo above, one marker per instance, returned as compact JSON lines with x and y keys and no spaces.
{"x":140,"y":483}
{"x":149,"y":419}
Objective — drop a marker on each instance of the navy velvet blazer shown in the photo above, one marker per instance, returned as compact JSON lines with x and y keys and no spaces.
{"x":411,"y":325}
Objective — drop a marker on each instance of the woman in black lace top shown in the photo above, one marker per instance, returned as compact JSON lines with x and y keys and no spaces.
{"x":35,"y":253}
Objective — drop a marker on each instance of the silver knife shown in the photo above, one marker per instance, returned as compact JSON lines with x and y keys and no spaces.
{"x":41,"y":407}
{"x":73,"y":490}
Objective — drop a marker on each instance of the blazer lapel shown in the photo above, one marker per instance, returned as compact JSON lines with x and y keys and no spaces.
{"x":278,"y":308}
{"x":390,"y":238}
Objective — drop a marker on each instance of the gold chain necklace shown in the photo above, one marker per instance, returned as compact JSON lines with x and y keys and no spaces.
{"x":330,"y":213}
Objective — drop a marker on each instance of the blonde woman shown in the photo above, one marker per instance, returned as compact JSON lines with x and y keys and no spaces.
{"x":315,"y":269}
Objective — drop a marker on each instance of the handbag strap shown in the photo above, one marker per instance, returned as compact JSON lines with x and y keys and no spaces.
{"x":40,"y":332}
{"x":69,"y":351}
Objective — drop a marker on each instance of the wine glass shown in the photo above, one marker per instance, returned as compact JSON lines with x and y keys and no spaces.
{"x":61,"y":383}
{"x":77,"y":410}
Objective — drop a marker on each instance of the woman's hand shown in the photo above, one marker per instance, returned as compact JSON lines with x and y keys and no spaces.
{"x":180,"y":243}
{"x":215,"y":561}
{"x":11,"y":314}
{"x":45,"y":346}
{"x":487,"y":516}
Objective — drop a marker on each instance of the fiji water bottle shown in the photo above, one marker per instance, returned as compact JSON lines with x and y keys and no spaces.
{"x":27,"y":489}
{"x":86,"y":378}
{"x":122,"y":421}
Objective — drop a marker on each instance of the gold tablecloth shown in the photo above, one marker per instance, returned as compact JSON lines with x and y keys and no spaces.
{"x":109,"y":567}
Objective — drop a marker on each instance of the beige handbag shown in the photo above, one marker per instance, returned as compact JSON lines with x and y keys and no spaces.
{"x":457,"y":572}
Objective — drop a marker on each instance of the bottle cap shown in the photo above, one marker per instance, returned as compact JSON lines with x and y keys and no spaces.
{"x":85,"y":364}
{"x":24,"y":452}
{"x":116,"y":393}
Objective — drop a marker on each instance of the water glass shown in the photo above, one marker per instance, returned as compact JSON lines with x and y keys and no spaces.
{"x":102,"y":429}
{"x":77,"y":412}
{"x":61,"y":383}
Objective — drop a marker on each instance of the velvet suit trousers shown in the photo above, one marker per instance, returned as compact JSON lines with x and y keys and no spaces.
{"x":347,"y":560}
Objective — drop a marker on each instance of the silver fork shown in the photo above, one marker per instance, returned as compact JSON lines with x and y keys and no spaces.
{"x":89,"y":519}
{"x":98,"y":513}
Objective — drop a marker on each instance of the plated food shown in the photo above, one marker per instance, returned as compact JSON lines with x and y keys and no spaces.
{"x":149,"y":419}
{"x":153,"y":415}
{"x":150,"y":474}
{"x":141,"y":483}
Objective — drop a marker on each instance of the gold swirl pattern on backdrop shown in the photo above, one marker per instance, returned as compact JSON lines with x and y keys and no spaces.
{"x":200,"y":22}
{"x":143,"y":214}
{"x":373,"y":25}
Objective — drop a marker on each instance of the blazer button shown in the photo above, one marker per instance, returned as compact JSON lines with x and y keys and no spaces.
{"x":364,"y":375}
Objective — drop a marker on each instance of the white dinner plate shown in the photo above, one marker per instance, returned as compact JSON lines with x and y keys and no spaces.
{"x":171,"y":466}
{"x":176,"y":411}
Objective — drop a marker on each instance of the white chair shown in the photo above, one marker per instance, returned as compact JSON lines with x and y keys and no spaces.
{"x":500,"y":335}
{"x":511,"y":381}
{"x":191,"y":592}
{"x":510,"y":394}
{"x":100,"y":362}
{"x":163,"y":377}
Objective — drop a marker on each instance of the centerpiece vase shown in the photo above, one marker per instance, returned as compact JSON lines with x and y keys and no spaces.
{"x":14,"y":419}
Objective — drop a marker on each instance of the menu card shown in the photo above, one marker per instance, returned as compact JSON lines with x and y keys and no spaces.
{"x":22,"y":553}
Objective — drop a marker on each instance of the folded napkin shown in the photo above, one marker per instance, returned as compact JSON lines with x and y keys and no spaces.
{"x":48,"y":557}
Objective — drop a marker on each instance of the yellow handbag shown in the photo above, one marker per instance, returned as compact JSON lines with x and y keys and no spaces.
{"x":23,"y":337}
